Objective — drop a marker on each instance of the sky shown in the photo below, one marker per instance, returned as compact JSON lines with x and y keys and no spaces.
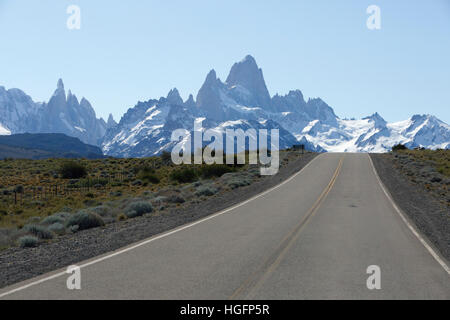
{"x":130,"y":51}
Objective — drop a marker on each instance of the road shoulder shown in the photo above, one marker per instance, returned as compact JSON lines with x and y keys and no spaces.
{"x":429,"y":215}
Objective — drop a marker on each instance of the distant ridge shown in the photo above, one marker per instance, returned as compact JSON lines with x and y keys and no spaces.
{"x":46,"y":145}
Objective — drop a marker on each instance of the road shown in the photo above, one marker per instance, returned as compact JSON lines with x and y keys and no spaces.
{"x":313,"y":237}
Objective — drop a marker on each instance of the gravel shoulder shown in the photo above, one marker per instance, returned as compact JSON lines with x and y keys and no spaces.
{"x":429,"y":211}
{"x":17,"y":264}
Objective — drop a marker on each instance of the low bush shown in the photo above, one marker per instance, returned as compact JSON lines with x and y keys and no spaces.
{"x":175,"y":199}
{"x":39,"y":231}
{"x":85,"y":220}
{"x":214,"y":170}
{"x":72,"y":170}
{"x":53,"y":219}
{"x":184,"y":175}
{"x":28,"y":241}
{"x":147,"y":174}
{"x":138,"y":209}
{"x":239,"y":181}
{"x":206,"y":191}
{"x":57,"y":228}
{"x":102,"y":211}
{"x":166,"y":157}
{"x":398,"y":147}
{"x":122,"y":217}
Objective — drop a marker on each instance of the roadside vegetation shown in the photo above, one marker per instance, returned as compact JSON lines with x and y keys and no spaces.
{"x":41,"y":200}
{"x":428,"y":168}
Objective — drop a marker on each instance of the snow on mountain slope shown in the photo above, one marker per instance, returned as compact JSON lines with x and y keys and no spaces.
{"x":4,"y":131}
{"x":373,"y":134}
{"x":62,"y":114}
{"x":243,"y":102}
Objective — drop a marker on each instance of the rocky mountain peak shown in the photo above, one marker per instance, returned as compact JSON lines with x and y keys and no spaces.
{"x":190,"y":102}
{"x":60,"y":84}
{"x":377,"y":120}
{"x":111,"y":122}
{"x":174,"y":97}
{"x":248,"y":75}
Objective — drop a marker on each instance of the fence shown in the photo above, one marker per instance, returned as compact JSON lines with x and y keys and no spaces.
{"x":22,"y":194}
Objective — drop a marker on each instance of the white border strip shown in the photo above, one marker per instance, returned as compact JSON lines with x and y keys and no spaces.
{"x":410,"y":226}
{"x":163,"y":235}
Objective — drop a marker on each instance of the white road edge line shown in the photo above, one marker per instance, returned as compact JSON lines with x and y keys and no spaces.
{"x":410,"y":226}
{"x":163,"y":235}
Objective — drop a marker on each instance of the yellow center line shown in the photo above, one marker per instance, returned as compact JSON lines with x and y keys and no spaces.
{"x":259,"y":277}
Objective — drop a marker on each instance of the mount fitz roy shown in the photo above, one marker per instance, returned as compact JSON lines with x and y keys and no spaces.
{"x":241,"y":102}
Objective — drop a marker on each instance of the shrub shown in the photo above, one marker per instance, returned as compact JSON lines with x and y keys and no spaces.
{"x":237,"y":182}
{"x":57,"y":228}
{"x":132,"y":214}
{"x":184,"y":175}
{"x":53,"y":219}
{"x":72,"y":170}
{"x":138,"y":209}
{"x":152,"y":178}
{"x":159,"y":199}
{"x":116,"y":193}
{"x":206,"y":191}
{"x":175,"y":199}
{"x":166,"y":156}
{"x":101,"y":211}
{"x":398,"y":147}
{"x":38,"y":231}
{"x":74,"y":228}
{"x":28,"y":241}
{"x":122,"y":217}
{"x":19,"y":189}
{"x":85,"y":220}
{"x":214,"y":170}
{"x":147,"y":174}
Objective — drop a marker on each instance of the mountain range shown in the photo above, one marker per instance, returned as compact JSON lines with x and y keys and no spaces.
{"x":241,"y":102}
{"x":63,"y":113}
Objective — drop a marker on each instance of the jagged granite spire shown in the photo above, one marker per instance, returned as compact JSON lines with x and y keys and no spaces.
{"x":248,"y":75}
{"x":174,"y":97}
{"x":111,"y":122}
{"x":190,"y":102}
{"x":208,"y":97}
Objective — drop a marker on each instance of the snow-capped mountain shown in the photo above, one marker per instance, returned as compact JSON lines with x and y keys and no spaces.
{"x":374,"y":134}
{"x":243,"y":102}
{"x":62,"y":114}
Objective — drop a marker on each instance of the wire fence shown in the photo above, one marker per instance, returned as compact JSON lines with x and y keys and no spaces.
{"x":18,"y":195}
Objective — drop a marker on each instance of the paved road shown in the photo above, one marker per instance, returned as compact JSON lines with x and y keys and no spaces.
{"x":311,"y":238}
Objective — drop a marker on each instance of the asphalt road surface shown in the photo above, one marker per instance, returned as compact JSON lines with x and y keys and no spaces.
{"x":312,"y":237}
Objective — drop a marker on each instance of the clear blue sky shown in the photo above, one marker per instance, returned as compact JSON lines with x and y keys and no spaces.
{"x":136,"y":50}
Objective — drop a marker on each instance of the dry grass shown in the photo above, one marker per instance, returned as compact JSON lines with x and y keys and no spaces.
{"x":439,"y":159}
